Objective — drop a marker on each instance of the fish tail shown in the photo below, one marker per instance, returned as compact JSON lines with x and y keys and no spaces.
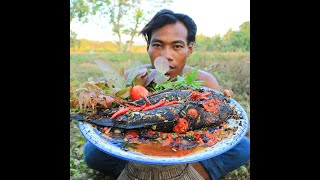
{"x":77,"y":117}
{"x":101,"y":122}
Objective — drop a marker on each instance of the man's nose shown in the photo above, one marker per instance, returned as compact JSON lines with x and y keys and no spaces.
{"x":167,"y":53}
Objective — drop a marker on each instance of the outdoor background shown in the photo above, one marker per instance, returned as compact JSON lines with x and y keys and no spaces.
{"x":108,"y":30}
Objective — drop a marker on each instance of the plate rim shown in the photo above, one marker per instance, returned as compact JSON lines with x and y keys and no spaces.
{"x":158,"y":160}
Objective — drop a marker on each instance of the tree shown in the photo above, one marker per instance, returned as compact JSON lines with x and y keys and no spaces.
{"x":228,"y":35}
{"x":216,"y":42}
{"x":125,"y":16}
{"x":237,"y":40}
{"x":245,"y":30}
{"x":74,"y":42}
{"x":227,"y":42}
{"x":245,"y":27}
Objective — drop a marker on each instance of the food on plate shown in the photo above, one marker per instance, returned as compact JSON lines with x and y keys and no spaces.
{"x":182,"y":118}
{"x":197,"y":108}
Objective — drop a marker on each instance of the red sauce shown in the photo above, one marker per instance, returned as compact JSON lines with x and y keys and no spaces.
{"x":156,"y":149}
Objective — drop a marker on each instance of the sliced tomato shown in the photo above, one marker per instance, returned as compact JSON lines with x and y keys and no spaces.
{"x":182,"y":126}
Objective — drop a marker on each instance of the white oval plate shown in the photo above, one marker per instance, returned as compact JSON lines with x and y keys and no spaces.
{"x":106,"y":145}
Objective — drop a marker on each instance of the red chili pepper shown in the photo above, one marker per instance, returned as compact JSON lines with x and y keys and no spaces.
{"x":206,"y":94}
{"x":203,"y":96}
{"x":160,"y":103}
{"x":198,"y":96}
{"x":120,"y":112}
{"x":170,"y":103}
{"x":146,"y":98}
{"x":195,"y":95}
{"x":136,"y":108}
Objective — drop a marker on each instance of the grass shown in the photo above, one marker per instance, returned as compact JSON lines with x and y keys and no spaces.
{"x":232,"y":70}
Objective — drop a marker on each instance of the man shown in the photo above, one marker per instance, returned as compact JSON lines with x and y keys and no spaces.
{"x":172,"y":36}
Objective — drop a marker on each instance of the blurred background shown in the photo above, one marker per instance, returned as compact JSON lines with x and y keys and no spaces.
{"x":108,"y":31}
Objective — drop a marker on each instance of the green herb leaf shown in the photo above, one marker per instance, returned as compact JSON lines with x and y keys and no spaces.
{"x":123,"y":93}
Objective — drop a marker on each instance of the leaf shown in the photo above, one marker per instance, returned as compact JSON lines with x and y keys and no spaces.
{"x":133,"y":73}
{"x":122,"y":71}
{"x":150,"y":77}
{"x":140,"y":77}
{"x":74,"y":83}
{"x":112,"y":76}
{"x":194,"y":74}
{"x":160,"y":78}
{"x":165,"y":85}
{"x":161,"y":64}
{"x":180,"y":78}
{"x":190,"y":78}
{"x":138,"y":81}
{"x":180,"y":81}
{"x":105,"y":100}
{"x":111,"y":91}
{"x":123,"y":93}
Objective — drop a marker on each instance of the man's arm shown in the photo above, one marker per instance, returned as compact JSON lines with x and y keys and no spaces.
{"x":212,"y":83}
{"x":209,"y":80}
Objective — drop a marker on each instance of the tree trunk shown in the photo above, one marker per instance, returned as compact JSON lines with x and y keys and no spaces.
{"x":129,"y":44}
{"x":74,"y":45}
{"x":120,"y":43}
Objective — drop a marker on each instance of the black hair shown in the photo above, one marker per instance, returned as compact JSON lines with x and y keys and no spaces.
{"x":164,"y":17}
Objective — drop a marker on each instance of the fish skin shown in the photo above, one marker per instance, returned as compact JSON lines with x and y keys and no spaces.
{"x":164,"y":118}
{"x":180,"y":95}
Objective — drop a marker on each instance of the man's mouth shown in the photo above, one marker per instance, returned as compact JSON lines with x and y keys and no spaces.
{"x":171,"y":68}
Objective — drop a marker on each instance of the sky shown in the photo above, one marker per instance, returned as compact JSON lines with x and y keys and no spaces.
{"x":211,"y":16}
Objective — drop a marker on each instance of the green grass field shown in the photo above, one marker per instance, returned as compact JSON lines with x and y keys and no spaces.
{"x":232,"y":70}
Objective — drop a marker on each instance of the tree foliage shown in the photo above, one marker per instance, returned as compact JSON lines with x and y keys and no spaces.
{"x":74,"y":42}
{"x":125,"y":16}
{"x":231,"y":41}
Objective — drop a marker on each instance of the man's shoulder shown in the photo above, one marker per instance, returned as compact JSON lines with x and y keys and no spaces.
{"x":201,"y":73}
{"x":209,"y":80}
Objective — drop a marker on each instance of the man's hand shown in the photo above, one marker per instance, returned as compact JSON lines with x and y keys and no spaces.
{"x":228,"y":93}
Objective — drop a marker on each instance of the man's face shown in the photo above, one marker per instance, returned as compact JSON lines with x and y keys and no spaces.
{"x":170,"y":41}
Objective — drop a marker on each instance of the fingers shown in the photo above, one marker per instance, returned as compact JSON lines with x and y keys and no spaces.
{"x":228,"y":93}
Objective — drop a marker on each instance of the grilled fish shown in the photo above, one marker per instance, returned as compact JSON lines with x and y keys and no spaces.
{"x":193,"y":108}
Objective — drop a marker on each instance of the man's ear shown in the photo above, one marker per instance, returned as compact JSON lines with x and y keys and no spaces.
{"x":190,"y":49}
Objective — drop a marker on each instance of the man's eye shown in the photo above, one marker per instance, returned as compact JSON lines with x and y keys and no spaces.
{"x":156,"y":45}
{"x":178,"y":46}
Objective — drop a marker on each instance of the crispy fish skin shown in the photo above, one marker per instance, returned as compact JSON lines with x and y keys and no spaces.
{"x":205,"y":118}
{"x":177,"y":95}
{"x":164,"y":118}
{"x":181,"y":94}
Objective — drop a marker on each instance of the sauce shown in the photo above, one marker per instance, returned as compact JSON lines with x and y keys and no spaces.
{"x":168,"y":144}
{"x":156,"y":149}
